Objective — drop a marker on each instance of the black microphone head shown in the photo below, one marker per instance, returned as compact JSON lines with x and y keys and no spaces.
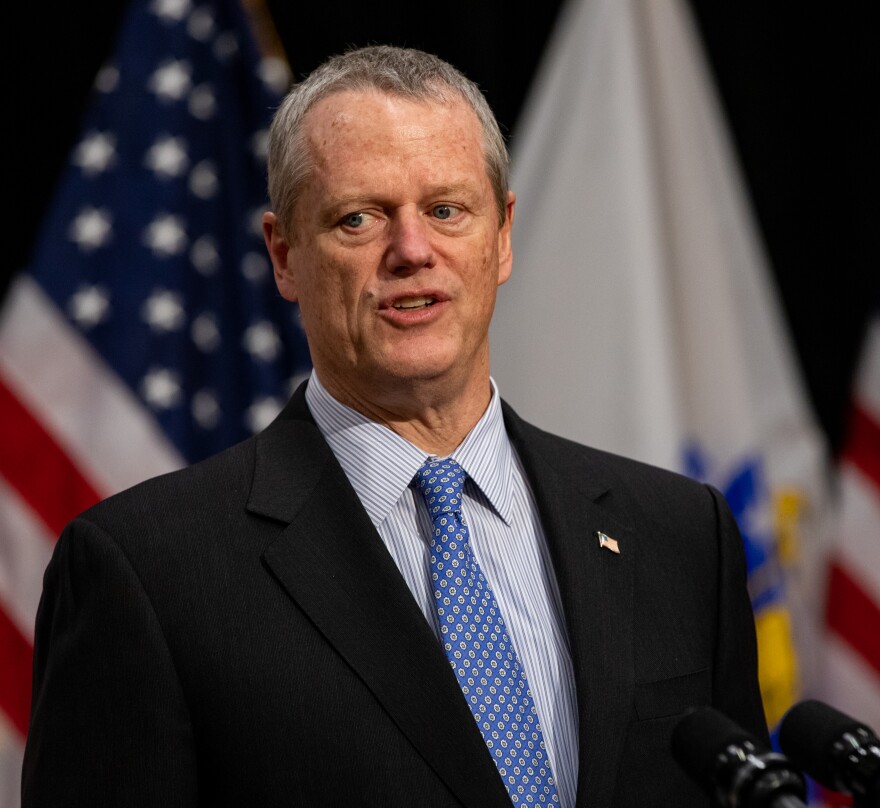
{"x":811,"y":732}
{"x":732,"y":765}
{"x":698,"y":739}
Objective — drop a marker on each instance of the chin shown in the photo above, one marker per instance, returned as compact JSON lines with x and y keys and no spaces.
{"x":416,"y":369}
{"x":422,"y":372}
{"x":418,"y":360}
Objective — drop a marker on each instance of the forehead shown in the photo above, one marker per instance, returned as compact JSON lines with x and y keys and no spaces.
{"x":359,"y":128}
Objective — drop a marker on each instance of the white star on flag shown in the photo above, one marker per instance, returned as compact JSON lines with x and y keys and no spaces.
{"x":163,"y":311}
{"x":89,"y":305}
{"x":200,"y":25}
{"x":170,"y":10}
{"x":107,"y":79}
{"x":203,"y":180}
{"x":171,"y":80}
{"x":275,"y":74}
{"x":202,"y":102}
{"x":255,"y":266}
{"x":161,"y":388}
{"x":167,"y":157}
{"x":95,"y":153}
{"x":205,"y":408}
{"x":261,"y":341}
{"x":204,"y":255}
{"x":166,"y":235}
{"x":205,"y":333}
{"x":91,"y":229}
{"x":262,"y":412}
{"x":225,"y":46}
{"x":255,"y":222}
{"x":260,"y":144}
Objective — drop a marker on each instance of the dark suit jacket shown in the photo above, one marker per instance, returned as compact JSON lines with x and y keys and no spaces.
{"x":236,"y":634}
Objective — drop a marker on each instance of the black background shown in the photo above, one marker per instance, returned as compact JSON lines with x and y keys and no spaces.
{"x":796,"y":83}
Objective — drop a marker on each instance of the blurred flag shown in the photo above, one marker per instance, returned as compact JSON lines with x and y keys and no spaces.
{"x":851,"y":662}
{"x":146,"y":332}
{"x":640,"y":316}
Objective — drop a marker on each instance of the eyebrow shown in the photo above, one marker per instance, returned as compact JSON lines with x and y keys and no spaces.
{"x":340,"y":203}
{"x":453,"y":189}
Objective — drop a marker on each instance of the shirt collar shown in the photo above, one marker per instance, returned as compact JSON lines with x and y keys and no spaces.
{"x":380,"y":464}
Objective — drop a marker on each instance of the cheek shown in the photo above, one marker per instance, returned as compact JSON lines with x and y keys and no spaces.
{"x":331,"y":295}
{"x":487,"y":280}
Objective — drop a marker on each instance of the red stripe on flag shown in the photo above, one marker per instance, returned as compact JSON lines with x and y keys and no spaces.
{"x":853,"y":615}
{"x":833,"y":799}
{"x":38,"y":468}
{"x":863,"y":444}
{"x":16,"y":659}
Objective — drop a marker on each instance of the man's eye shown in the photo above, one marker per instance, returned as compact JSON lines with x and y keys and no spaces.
{"x":355,"y":220}
{"x":444,"y":211}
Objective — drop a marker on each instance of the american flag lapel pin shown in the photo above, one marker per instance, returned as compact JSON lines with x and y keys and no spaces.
{"x":607,"y":542}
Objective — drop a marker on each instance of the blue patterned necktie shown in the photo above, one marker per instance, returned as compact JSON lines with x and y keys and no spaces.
{"x":479,"y":649}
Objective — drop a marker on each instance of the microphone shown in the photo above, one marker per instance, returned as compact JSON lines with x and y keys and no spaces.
{"x":733,"y":766}
{"x":839,"y":752}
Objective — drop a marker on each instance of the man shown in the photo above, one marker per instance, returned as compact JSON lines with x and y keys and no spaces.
{"x":399,"y":594}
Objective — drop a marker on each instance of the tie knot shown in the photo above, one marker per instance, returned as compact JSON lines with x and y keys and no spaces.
{"x":440,"y":482}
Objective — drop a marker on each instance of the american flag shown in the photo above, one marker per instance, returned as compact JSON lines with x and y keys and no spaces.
{"x":146,"y":332}
{"x":851,"y":658}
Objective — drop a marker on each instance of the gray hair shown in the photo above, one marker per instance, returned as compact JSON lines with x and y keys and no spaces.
{"x":403,"y":72}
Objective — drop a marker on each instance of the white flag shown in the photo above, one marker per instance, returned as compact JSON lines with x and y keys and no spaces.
{"x":640,"y":317}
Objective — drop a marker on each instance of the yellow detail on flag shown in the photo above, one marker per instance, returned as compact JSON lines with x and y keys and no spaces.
{"x":777,"y":663}
{"x":789,"y":505}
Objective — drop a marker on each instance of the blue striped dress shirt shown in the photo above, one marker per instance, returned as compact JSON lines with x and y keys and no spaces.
{"x":506,"y":536}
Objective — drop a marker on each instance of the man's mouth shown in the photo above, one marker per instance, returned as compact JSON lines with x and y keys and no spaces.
{"x":410,"y":303}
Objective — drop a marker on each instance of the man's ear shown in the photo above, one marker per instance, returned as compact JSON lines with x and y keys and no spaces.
{"x":505,"y":251}
{"x":279,"y":253}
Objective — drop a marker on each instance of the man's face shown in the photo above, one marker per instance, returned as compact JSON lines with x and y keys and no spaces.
{"x":395,"y":251}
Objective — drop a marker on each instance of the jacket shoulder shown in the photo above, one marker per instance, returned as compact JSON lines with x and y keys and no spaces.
{"x":193,"y":488}
{"x":602,"y":468}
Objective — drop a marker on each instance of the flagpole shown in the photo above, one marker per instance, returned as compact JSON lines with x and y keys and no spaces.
{"x":265,"y":32}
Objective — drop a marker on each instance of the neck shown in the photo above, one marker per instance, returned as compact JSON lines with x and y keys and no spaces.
{"x":427,"y":415}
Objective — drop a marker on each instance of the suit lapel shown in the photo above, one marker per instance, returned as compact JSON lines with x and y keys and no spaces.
{"x":596,"y":587}
{"x":333,"y":563}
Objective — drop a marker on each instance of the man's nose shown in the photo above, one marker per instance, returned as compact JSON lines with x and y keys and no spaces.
{"x":410,"y":247}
